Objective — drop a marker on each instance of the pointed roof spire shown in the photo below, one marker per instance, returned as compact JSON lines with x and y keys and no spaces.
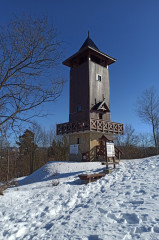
{"x":88,"y":45}
{"x":89,"y":42}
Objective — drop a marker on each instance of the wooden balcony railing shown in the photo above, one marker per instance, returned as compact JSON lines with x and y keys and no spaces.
{"x":65,"y":128}
{"x":92,"y":125}
{"x":106,"y":127}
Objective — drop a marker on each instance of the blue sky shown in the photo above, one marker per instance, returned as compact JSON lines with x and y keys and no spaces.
{"x":126,"y":30}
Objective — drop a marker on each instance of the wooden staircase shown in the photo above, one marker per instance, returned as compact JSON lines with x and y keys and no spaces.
{"x":101,"y":151}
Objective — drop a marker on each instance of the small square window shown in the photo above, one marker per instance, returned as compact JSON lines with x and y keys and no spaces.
{"x":78,"y":141}
{"x":99,"y":77}
{"x":79,"y":108}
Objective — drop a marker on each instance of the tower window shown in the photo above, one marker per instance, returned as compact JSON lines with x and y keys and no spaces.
{"x":78,"y":141}
{"x":79,"y":108}
{"x":100,"y":116}
{"x":99,"y":77}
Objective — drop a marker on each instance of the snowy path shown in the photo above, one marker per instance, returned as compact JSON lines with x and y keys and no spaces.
{"x":122,"y":205}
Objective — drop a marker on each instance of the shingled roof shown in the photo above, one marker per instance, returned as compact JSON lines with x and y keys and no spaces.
{"x":90,"y":43}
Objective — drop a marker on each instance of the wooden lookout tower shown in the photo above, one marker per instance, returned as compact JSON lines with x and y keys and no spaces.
{"x":89,"y":112}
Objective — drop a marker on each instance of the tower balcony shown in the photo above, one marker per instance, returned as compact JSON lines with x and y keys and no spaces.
{"x":92,"y":125}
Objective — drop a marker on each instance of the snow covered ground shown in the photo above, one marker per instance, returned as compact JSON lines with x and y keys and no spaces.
{"x":122,"y":205}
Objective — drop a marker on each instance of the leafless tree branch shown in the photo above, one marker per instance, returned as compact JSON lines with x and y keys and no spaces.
{"x":148,"y":111}
{"x":29,"y":51}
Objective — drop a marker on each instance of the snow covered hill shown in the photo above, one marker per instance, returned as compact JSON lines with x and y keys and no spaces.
{"x":122,"y":205}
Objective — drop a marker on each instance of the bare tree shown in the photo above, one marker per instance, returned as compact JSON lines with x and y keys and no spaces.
{"x":42,"y":137}
{"x":129,"y":138}
{"x":128,"y":142}
{"x":38,"y":133}
{"x":51,"y":135}
{"x":29,"y":56}
{"x":148,"y":111}
{"x":144,"y":140}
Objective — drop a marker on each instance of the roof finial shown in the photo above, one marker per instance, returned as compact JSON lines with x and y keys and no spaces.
{"x":88,"y":33}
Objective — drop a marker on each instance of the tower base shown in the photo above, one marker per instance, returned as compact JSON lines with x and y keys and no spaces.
{"x":83,"y":146}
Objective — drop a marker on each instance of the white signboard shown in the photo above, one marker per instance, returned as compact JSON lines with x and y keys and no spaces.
{"x":74,"y":149}
{"x":110,"y":149}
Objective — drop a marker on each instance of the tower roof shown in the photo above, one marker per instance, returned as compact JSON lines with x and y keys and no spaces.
{"x":89,"y":43}
{"x":88,"y":47}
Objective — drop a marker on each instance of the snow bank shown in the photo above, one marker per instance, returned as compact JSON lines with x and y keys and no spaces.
{"x":122,"y":205}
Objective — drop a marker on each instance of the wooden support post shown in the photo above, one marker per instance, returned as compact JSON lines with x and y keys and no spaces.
{"x":106,"y":156}
{"x":8,"y":165}
{"x":114,"y":162}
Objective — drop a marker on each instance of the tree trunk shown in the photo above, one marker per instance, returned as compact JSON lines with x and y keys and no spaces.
{"x":154,"y":137}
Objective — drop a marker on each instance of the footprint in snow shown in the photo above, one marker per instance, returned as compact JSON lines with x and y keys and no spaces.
{"x":156,"y":229}
{"x":139,"y":202}
{"x":143,"y":229}
{"x":155,"y":196}
{"x":101,"y":210}
{"x":131,"y":218}
{"x":115,"y":218}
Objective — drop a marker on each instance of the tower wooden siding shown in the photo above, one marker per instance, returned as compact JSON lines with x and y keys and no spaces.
{"x":98,"y":90}
{"x":79,"y":93}
{"x":86,"y":91}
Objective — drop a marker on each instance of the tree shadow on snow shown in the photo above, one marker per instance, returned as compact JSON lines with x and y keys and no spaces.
{"x":41,"y":176}
{"x":34,"y":178}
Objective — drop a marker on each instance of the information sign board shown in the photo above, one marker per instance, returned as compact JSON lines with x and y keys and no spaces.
{"x":110,"y":149}
{"x":74,"y":149}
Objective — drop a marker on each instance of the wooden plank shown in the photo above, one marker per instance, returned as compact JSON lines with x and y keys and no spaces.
{"x":85,"y":176}
{"x":90,"y":178}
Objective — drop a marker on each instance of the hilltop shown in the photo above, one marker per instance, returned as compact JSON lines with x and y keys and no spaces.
{"x":52,"y":204}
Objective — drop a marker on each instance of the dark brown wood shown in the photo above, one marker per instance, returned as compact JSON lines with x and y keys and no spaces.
{"x":85,"y":89}
{"x":91,"y":177}
{"x":118,"y":153}
{"x":73,"y":61}
{"x":114,"y":162}
{"x":100,"y":151}
{"x":79,"y":89}
{"x":93,"y":124}
{"x":106,"y":157}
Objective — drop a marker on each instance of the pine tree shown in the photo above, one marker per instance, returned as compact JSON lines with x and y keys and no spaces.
{"x":27,"y":148}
